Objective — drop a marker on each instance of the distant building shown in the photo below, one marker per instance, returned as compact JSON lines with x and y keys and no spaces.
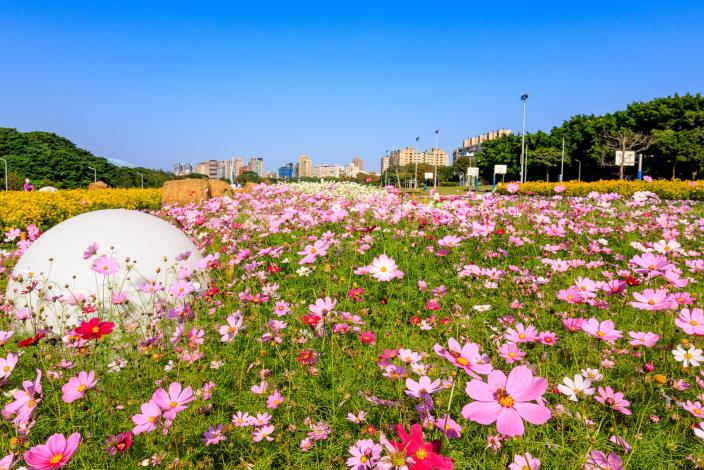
{"x":304,"y":167}
{"x":385,"y":163}
{"x":182,"y":169}
{"x":326,"y":171}
{"x":286,"y":171}
{"x":358,"y":162}
{"x":473,"y":144}
{"x":210,"y":168}
{"x":256,"y":164}
{"x":408,"y":155}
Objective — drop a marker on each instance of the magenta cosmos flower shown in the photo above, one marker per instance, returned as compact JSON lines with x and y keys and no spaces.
{"x":467,"y":357}
{"x":77,"y":387}
{"x":54,"y":454}
{"x":506,"y":400}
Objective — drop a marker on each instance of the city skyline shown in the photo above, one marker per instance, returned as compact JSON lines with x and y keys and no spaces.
{"x":158,"y":83}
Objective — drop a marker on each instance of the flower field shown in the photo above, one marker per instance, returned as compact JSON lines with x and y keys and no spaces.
{"x":337,"y":326}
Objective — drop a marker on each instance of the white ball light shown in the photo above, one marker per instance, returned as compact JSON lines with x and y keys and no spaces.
{"x":56,"y":259}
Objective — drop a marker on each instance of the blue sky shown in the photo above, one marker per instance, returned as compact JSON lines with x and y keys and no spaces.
{"x":154,"y":82}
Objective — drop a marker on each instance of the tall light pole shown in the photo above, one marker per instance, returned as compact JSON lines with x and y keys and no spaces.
{"x":5,"y":161}
{"x":562,"y":160}
{"x":141,"y":176}
{"x":415,"y":174}
{"x":579,"y":170}
{"x":524,"y":97}
{"x":95,"y":174}
{"x":437,"y":154}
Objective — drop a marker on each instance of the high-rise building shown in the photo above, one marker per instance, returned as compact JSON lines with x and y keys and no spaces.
{"x":305,"y":166}
{"x":358,"y":162}
{"x":286,"y":171}
{"x":210,"y":168}
{"x":182,"y":169}
{"x":473,"y":144}
{"x":326,"y":171}
{"x":385,"y":163}
{"x":256,"y":164}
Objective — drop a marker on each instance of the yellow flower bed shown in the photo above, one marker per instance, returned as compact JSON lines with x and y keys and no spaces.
{"x":665,"y":189}
{"x":19,"y":208}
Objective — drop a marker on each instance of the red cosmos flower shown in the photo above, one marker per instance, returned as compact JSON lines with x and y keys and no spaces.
{"x":307,"y":357}
{"x":273,"y":269}
{"x":32,"y":340}
{"x":500,"y":231}
{"x":89,"y":309}
{"x":425,"y":454}
{"x":311,"y":319}
{"x":632,"y":281}
{"x":94,"y":328}
{"x":211,"y":292}
{"x":415,"y":320}
{"x":370,"y":429}
{"x":367,"y":337}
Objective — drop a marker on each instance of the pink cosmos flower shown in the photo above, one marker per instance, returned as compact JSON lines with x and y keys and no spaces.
{"x":229,"y":331}
{"x":652,"y":300}
{"x":7,"y":365}
{"x":521,"y":334}
{"x":650,"y":264}
{"x":105,"y":265}
{"x":511,"y":353}
{"x":691,"y":322}
{"x":274,"y":400}
{"x":54,"y":454}
{"x":424,"y":387}
{"x":90,"y":251}
{"x":263,"y":432}
{"x":604,"y":330}
{"x":615,"y":400}
{"x":76,"y":387}
{"x":512,"y":187}
{"x":365,"y":455}
{"x":241,"y":420}
{"x":181,"y":289}
{"x":597,"y":460}
{"x":450,"y":241}
{"x":213,"y":435}
{"x":643,"y":339}
{"x":281,"y":308}
{"x":548,"y":338}
{"x":384,"y":269}
{"x":449,"y":427}
{"x":6,"y":462}
{"x":311,"y":252}
{"x":146,"y":420}
{"x":173,"y":401}
{"x":322,"y":307}
{"x":5,"y":336}
{"x":467,"y":357}
{"x":694,"y":408}
{"x":524,"y":462}
{"x":507,"y":400}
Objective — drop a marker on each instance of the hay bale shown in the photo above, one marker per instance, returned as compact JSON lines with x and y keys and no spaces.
{"x":184,"y":191}
{"x":219,"y":188}
{"x":98,"y":185}
{"x":47,"y":189}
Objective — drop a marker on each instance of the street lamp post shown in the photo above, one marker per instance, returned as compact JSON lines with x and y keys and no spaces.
{"x":562,"y":160}
{"x":415,"y":174}
{"x":437,"y":154}
{"x":579,"y":170}
{"x":141,"y":176}
{"x":524,"y":97}
{"x":95,"y":174}
{"x":5,"y":161}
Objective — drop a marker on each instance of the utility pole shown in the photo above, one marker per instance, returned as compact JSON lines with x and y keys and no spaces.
{"x":415,"y":173}
{"x":562,"y":161}
{"x":523,"y":137}
{"x":437,"y":155}
{"x":579,"y":171}
{"x":95,"y":174}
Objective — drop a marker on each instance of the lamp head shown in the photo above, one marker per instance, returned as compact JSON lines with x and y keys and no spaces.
{"x":524,"y":97}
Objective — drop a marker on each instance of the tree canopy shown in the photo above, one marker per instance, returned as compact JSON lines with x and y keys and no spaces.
{"x":50,"y":160}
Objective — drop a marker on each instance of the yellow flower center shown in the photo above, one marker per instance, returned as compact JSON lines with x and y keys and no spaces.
{"x":383,"y":269}
{"x":503,"y":398}
{"x":421,"y":454}
{"x":173,"y":404}
{"x":693,"y":322}
{"x":462,"y":361}
{"x":697,"y":411}
{"x":81,"y":387}
{"x":56,"y":459}
{"x":651,"y":302}
{"x":151,"y":419}
{"x":600,"y":333}
{"x":687,"y":356}
{"x":521,"y":336}
{"x":95,"y":330}
{"x":512,"y":354}
{"x":363,"y":459}
{"x":6,"y":369}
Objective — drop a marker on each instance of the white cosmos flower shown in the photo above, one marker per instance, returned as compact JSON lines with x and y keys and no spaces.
{"x":574,"y":388}
{"x":689,"y":357}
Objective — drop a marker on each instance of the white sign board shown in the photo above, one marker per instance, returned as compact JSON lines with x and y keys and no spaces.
{"x":499,"y":169}
{"x":428,"y":176}
{"x":630,"y":159}
{"x":473,"y":171}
